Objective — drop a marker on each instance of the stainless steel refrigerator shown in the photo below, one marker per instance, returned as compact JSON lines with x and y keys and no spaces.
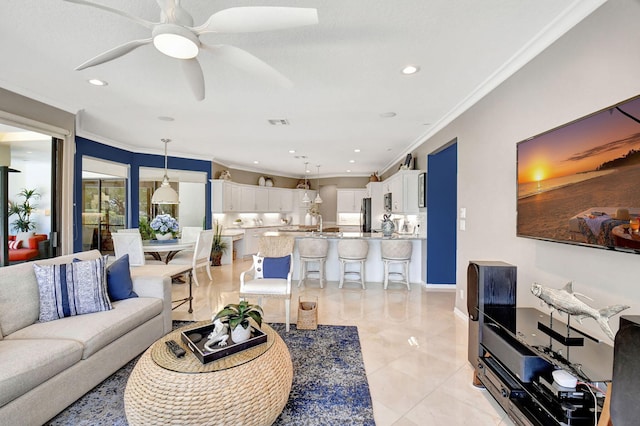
{"x":365,"y":215}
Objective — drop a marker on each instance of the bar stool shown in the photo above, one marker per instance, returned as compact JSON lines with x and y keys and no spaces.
{"x":396,"y":251}
{"x":312,"y":250}
{"x":352,"y":251}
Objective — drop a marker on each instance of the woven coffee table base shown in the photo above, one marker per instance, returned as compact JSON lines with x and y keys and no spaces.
{"x":253,"y":393}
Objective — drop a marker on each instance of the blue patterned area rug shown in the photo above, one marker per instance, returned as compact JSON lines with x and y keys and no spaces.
{"x":329,"y":383}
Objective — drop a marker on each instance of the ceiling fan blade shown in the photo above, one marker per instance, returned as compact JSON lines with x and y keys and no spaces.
{"x":172,"y":12}
{"x":143,"y":22}
{"x":245,"y":61}
{"x":114,"y":53}
{"x":254,"y":19}
{"x":195,"y":78}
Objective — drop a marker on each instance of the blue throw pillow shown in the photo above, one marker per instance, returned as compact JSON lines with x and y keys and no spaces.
{"x":276,"y":267}
{"x":119,"y":284}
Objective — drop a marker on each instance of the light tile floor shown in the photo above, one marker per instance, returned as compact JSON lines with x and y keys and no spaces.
{"x":413,"y":344}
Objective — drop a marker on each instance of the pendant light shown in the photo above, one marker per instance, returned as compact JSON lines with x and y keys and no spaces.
{"x":318,"y":199}
{"x":165,"y":194}
{"x":305,"y":198}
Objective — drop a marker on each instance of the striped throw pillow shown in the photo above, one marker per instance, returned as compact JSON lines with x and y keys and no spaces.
{"x":15,"y":245}
{"x":72,"y":289}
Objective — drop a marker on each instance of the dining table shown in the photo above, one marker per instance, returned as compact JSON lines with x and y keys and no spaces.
{"x":169,"y":248}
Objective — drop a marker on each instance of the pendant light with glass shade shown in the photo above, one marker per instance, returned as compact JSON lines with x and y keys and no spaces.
{"x":165,"y":194}
{"x":318,"y":199}
{"x":305,"y":198}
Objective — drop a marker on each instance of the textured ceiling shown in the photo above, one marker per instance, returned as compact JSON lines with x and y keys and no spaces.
{"x":345,"y":70}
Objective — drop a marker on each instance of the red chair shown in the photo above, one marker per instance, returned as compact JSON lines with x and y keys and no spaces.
{"x":37,"y":247}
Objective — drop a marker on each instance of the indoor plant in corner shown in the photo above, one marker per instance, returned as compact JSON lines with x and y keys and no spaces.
{"x":237,"y":316}
{"x":219,"y":246}
{"x":24,"y":211}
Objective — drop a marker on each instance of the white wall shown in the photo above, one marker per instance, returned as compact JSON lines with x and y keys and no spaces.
{"x":595,"y":65}
{"x":192,"y":204}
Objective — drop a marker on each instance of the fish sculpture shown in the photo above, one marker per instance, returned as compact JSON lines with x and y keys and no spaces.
{"x":565,"y":300}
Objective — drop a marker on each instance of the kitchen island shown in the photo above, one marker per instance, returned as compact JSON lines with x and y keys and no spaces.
{"x":374,"y":270}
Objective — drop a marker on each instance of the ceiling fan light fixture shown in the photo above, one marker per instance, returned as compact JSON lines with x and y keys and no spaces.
{"x":176,"y":41}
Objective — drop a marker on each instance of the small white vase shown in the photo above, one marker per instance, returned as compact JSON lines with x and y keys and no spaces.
{"x":161,"y":237}
{"x":307,"y":219}
{"x":314,"y":220}
{"x":240,"y":334}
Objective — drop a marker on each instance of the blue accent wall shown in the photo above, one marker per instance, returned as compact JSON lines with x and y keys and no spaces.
{"x":442,"y":197}
{"x":135,"y":161}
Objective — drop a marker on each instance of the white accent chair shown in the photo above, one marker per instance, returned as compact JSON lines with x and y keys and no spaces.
{"x":131,"y":243}
{"x":312,"y":250}
{"x":199,"y":257}
{"x":352,"y":251}
{"x":278,"y":288}
{"x":396,"y":251}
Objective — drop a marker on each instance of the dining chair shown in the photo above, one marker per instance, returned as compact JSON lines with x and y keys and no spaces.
{"x":189,"y":233}
{"x":131,"y":243}
{"x":199,"y":257}
{"x":270,"y":275}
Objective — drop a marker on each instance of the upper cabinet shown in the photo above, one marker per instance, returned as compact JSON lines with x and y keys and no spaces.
{"x":403,"y":187}
{"x":280,"y":200}
{"x":235,"y":197}
{"x":350,"y":200}
{"x":225,"y":196}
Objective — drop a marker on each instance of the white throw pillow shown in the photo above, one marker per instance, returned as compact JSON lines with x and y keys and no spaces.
{"x":24,"y":237}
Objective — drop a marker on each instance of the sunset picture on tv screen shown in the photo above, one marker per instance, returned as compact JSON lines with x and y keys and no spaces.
{"x":580,"y":183}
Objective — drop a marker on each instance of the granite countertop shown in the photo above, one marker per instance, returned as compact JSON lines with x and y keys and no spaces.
{"x":342,"y":235}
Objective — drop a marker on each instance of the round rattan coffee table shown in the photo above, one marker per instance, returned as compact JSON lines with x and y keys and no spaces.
{"x":247,"y":388}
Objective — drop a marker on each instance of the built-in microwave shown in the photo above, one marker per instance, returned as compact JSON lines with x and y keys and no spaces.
{"x":387,"y":202}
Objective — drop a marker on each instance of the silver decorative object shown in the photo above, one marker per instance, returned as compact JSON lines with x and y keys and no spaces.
{"x":565,"y":300}
{"x":218,"y":336}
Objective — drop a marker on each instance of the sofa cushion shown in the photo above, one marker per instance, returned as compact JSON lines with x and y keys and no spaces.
{"x":19,"y":297}
{"x":97,"y":330}
{"x":70,"y":289}
{"x":28,"y":363}
{"x":271,"y":267}
{"x":119,"y":282}
{"x":24,"y":237}
{"x":19,"y":300}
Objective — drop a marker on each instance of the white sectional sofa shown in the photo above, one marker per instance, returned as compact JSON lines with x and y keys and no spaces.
{"x":46,"y":366}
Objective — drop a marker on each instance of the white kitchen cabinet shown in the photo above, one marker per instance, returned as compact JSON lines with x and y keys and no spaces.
{"x":280,"y":200}
{"x":261,"y":199}
{"x":350,"y":200}
{"x":225,"y":196}
{"x":247,"y":199}
{"x":403,"y":187}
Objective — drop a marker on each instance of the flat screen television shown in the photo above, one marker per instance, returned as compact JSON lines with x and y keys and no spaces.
{"x":580,"y":183}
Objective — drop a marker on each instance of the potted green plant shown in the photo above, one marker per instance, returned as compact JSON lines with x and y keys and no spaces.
{"x":219,"y":246}
{"x":24,"y":211}
{"x":237,"y":316}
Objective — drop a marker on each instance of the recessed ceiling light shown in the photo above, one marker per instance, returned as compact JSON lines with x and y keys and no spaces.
{"x":388,"y":114}
{"x":356,"y":150}
{"x":352,"y":161}
{"x":97,"y":82}
{"x":348,"y":171}
{"x":292,"y":151}
{"x":165,"y":118}
{"x":410,"y":69}
{"x":256,"y":162}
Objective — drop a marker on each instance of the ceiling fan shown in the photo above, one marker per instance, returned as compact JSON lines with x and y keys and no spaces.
{"x":177,"y":37}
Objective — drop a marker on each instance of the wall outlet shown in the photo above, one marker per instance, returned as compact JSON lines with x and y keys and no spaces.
{"x":462,"y":294}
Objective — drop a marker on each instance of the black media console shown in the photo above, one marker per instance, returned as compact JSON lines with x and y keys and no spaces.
{"x":515,"y":350}
{"x":518,"y":357}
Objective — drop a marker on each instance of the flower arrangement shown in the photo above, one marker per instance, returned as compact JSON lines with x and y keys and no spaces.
{"x":165,"y":224}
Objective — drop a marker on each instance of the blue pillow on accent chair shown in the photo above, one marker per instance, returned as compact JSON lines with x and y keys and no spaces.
{"x":276,"y":267}
{"x":119,"y":284}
